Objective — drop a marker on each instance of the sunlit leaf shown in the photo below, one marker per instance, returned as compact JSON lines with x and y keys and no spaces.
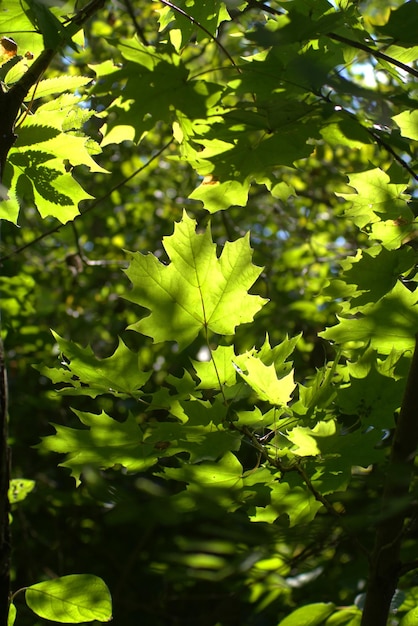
{"x":309,"y":615}
{"x":197,"y":290}
{"x":71,"y":599}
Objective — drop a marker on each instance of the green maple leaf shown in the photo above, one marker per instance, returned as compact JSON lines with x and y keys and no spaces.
{"x":119,"y":374}
{"x":226,"y":473}
{"x":104,"y":444}
{"x":263,"y":379}
{"x":219,"y":370}
{"x":371,"y":274}
{"x":381,"y":204}
{"x":390,"y":323}
{"x":374,"y":398}
{"x":197,"y":290}
{"x":207,"y":13}
{"x":234,"y":165}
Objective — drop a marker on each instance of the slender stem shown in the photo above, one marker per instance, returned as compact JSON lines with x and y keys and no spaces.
{"x":138,"y":28}
{"x":381,"y":142}
{"x":375,"y":53}
{"x":203,"y":28}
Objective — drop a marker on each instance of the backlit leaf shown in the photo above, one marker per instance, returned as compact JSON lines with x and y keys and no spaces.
{"x":71,"y":599}
{"x":309,"y":615}
{"x":197,"y":290}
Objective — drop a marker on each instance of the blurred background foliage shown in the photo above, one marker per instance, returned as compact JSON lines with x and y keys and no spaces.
{"x":167,"y":562}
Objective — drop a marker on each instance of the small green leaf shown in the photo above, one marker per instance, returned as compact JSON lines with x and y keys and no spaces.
{"x":304,"y":438}
{"x":408,"y":123}
{"x":226,"y":473}
{"x":219,"y":370}
{"x":263,"y":379}
{"x":71,"y":599}
{"x":12,"y":615}
{"x":309,"y":615}
{"x":291,"y":499}
{"x":19,"y":489}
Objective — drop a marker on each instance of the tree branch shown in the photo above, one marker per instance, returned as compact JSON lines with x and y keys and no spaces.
{"x":375,"y":53}
{"x":138,"y":28}
{"x":386,"y":568}
{"x":12,"y":100}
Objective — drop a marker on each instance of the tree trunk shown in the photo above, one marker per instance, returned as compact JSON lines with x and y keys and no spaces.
{"x":385,"y":566}
{"x":4,"y":498}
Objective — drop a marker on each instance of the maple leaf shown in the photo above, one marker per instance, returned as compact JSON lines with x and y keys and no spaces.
{"x":391,"y":322}
{"x":84,"y":374}
{"x":197,"y":290}
{"x":263,"y":379}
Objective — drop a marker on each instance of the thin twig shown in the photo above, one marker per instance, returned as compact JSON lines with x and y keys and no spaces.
{"x":138,"y":28}
{"x":375,"y":53}
{"x":391,"y":151}
{"x":204,"y":29}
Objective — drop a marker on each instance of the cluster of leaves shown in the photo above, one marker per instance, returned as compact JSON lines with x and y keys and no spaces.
{"x":265,"y":107}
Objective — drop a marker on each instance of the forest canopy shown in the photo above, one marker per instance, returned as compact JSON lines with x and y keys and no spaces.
{"x":208,"y":279}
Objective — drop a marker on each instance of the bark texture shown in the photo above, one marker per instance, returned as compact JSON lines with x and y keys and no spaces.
{"x":385,"y":566}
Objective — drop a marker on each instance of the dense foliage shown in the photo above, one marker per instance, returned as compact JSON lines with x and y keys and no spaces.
{"x":208,"y":271}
